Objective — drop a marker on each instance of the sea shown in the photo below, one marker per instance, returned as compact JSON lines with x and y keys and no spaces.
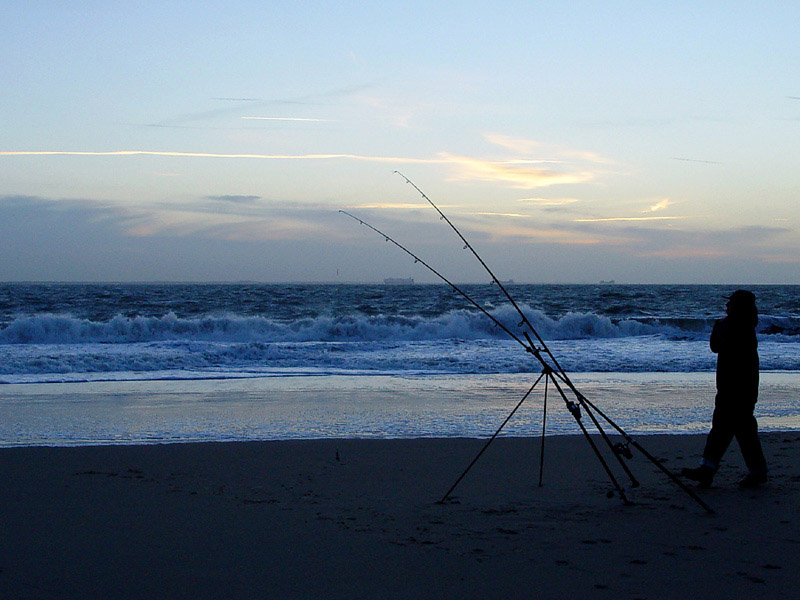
{"x":152,"y":363}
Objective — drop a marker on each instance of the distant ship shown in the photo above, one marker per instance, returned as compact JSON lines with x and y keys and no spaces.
{"x":607,"y":282}
{"x":399,"y":281}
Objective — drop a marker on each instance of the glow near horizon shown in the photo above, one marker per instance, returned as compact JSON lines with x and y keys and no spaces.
{"x":670,"y":168}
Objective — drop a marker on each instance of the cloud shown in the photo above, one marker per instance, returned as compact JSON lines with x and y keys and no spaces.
{"x":518,"y":145}
{"x":789,"y":258}
{"x":519,"y":177}
{"x":548,"y":201}
{"x":288,"y":119}
{"x":388,"y":159}
{"x":528,"y":147}
{"x":228,"y":221}
{"x":515,"y":174}
{"x":697,"y":160}
{"x":743,"y":243}
{"x":624,"y":219}
{"x":242,"y":104}
{"x":545,"y":234}
{"x":660,"y":205}
{"x":500,"y":214}
{"x":235,"y":199}
{"x":400,"y":205}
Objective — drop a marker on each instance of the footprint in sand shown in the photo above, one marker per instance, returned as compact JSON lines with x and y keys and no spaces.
{"x":751,"y":578}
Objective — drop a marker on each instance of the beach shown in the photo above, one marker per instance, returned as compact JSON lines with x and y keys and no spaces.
{"x":289,"y":441}
{"x":345,"y":518}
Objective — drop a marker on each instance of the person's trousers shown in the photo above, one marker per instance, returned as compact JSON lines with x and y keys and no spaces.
{"x":735,"y":419}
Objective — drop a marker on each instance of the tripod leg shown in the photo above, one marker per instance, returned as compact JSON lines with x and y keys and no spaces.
{"x":575,"y":411}
{"x":488,"y":443}
{"x":544,"y":421}
{"x":631,"y":476}
{"x":653,"y":459}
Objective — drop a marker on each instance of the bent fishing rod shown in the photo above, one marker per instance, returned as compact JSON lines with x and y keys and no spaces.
{"x":583,"y":401}
{"x":495,"y":280}
{"x":618,"y":450}
{"x":417,"y":259}
{"x":547,"y":370}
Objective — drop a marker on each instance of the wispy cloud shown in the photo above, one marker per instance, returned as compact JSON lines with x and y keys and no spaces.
{"x":386,"y":159}
{"x":660,"y":205}
{"x":696,"y":160}
{"x":520,"y":177}
{"x":235,"y":198}
{"x":688,"y":252}
{"x":515,"y":174}
{"x":399,"y":205}
{"x":501,"y":214}
{"x":745,"y":243}
{"x":547,"y":234}
{"x":623,"y":219}
{"x":548,"y":201}
{"x":304,"y":119}
{"x":518,"y":145}
{"x":250,"y":104}
{"x":518,"y":172}
{"x":789,"y":258}
{"x":555,"y":153}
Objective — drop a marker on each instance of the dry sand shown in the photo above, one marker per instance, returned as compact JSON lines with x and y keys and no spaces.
{"x":290,"y":520}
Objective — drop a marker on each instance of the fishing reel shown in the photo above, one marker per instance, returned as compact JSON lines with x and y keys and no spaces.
{"x":575,"y":409}
{"x":623,"y":450}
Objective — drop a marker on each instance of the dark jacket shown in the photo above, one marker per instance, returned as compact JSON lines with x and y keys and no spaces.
{"x":734,"y":341}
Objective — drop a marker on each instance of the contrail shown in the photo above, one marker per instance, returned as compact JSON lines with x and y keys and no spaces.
{"x":708,"y":162}
{"x":389,"y":159}
{"x":287,"y":119}
{"x":470,"y":169}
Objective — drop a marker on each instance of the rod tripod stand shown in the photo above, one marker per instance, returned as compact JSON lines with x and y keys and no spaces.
{"x":619,"y":450}
{"x":552,"y":373}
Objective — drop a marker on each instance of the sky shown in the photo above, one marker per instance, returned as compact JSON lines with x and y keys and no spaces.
{"x":639,"y":142}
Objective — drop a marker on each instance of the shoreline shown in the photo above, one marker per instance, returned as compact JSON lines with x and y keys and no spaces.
{"x":384,"y":407}
{"x":359,"y":519}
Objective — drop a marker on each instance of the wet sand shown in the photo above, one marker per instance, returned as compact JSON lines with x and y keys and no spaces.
{"x":359,"y":519}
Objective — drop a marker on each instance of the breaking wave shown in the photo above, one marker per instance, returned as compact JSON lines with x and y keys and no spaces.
{"x":457,"y":324}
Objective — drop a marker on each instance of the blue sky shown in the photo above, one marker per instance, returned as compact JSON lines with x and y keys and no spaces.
{"x":641,"y":142}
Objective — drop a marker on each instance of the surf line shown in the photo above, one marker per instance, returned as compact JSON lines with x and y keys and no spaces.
{"x":552,"y":373}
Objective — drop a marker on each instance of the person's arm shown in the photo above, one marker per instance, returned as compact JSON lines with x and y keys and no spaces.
{"x":718,"y":335}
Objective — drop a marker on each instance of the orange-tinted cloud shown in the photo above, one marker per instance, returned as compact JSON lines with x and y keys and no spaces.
{"x":660,"y":205}
{"x":626,"y":219}
{"x":520,"y":177}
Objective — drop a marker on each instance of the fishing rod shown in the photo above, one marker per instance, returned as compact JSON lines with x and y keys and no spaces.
{"x":547,"y":370}
{"x":589,"y":407}
{"x":559,"y":370}
{"x":531,"y":348}
{"x":553,"y":375}
{"x":417,"y":259}
{"x":495,"y":280}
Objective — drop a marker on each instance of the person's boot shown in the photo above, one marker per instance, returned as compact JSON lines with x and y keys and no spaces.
{"x":703,"y":475}
{"x":753,"y":480}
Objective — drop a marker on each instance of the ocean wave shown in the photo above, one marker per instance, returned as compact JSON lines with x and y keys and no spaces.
{"x":193,"y":360}
{"x":456,"y":324}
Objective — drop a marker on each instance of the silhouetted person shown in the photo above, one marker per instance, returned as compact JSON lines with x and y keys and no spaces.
{"x":733,"y":339}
